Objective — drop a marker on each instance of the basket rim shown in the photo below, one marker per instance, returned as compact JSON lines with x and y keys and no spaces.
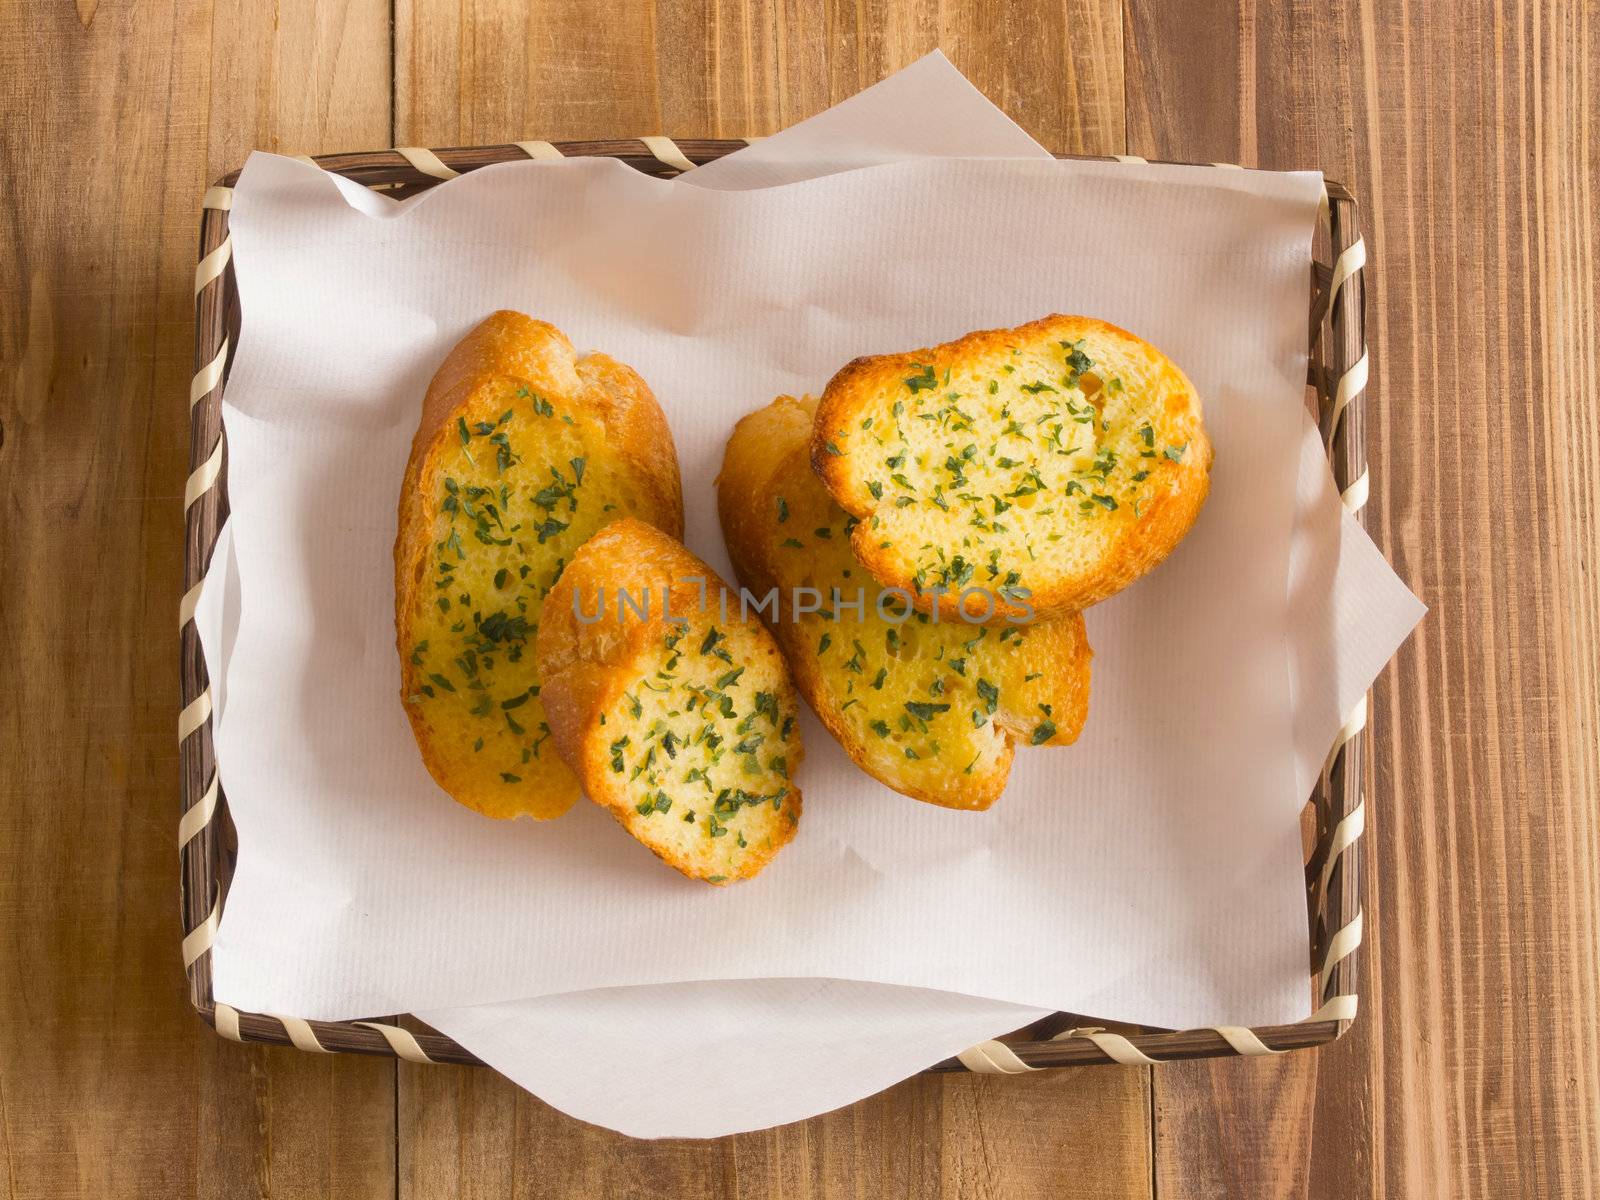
{"x":1338,"y":356}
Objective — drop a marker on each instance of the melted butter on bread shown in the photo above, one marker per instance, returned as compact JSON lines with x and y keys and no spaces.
{"x":682,"y":724}
{"x":523,"y":464}
{"x":1050,"y":465}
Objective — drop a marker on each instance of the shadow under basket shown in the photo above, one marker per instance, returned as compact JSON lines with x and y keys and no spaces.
{"x":1331,"y":822}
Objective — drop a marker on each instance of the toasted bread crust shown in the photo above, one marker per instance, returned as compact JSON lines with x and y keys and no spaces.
{"x":1168,"y":505}
{"x":506,"y":352}
{"x":592,"y":667}
{"x":768,"y":498}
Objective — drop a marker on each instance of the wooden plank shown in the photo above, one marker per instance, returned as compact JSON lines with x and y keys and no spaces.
{"x":466,"y":1132}
{"x":1055,"y":69}
{"x":1230,"y":1127}
{"x":739,"y":69}
{"x":298,"y":77}
{"x":109,"y":1085}
{"x":489,"y":71}
{"x":462,"y":68}
{"x":1473,"y":1070}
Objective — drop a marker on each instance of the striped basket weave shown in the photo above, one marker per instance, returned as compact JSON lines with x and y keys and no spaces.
{"x":1333,"y":817}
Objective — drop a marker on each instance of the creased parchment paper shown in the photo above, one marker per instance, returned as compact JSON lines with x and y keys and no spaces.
{"x":1150,"y":873}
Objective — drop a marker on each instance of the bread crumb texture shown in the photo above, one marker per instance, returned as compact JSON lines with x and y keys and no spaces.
{"x":931,"y":707}
{"x":1052,"y":464}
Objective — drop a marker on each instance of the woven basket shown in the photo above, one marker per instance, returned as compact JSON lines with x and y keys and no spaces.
{"x":1333,"y":815}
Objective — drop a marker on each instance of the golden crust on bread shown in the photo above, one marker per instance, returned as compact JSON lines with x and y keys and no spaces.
{"x":522,"y":452}
{"x":678,"y":720}
{"x":930,"y":709}
{"x":1064,"y":459}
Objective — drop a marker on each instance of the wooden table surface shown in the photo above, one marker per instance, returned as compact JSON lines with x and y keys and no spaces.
{"x":1469,"y":136}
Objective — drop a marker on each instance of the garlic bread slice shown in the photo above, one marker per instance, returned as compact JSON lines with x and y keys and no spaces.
{"x":523,"y":451}
{"x":1054,"y":463}
{"x":676,"y":712}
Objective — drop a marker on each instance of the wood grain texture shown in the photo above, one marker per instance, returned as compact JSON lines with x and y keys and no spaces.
{"x":467,"y":1133}
{"x":109,"y":1085}
{"x":316,"y":78}
{"x":1473,"y":1070}
{"x":488,"y":70}
{"x":1470,"y":137}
